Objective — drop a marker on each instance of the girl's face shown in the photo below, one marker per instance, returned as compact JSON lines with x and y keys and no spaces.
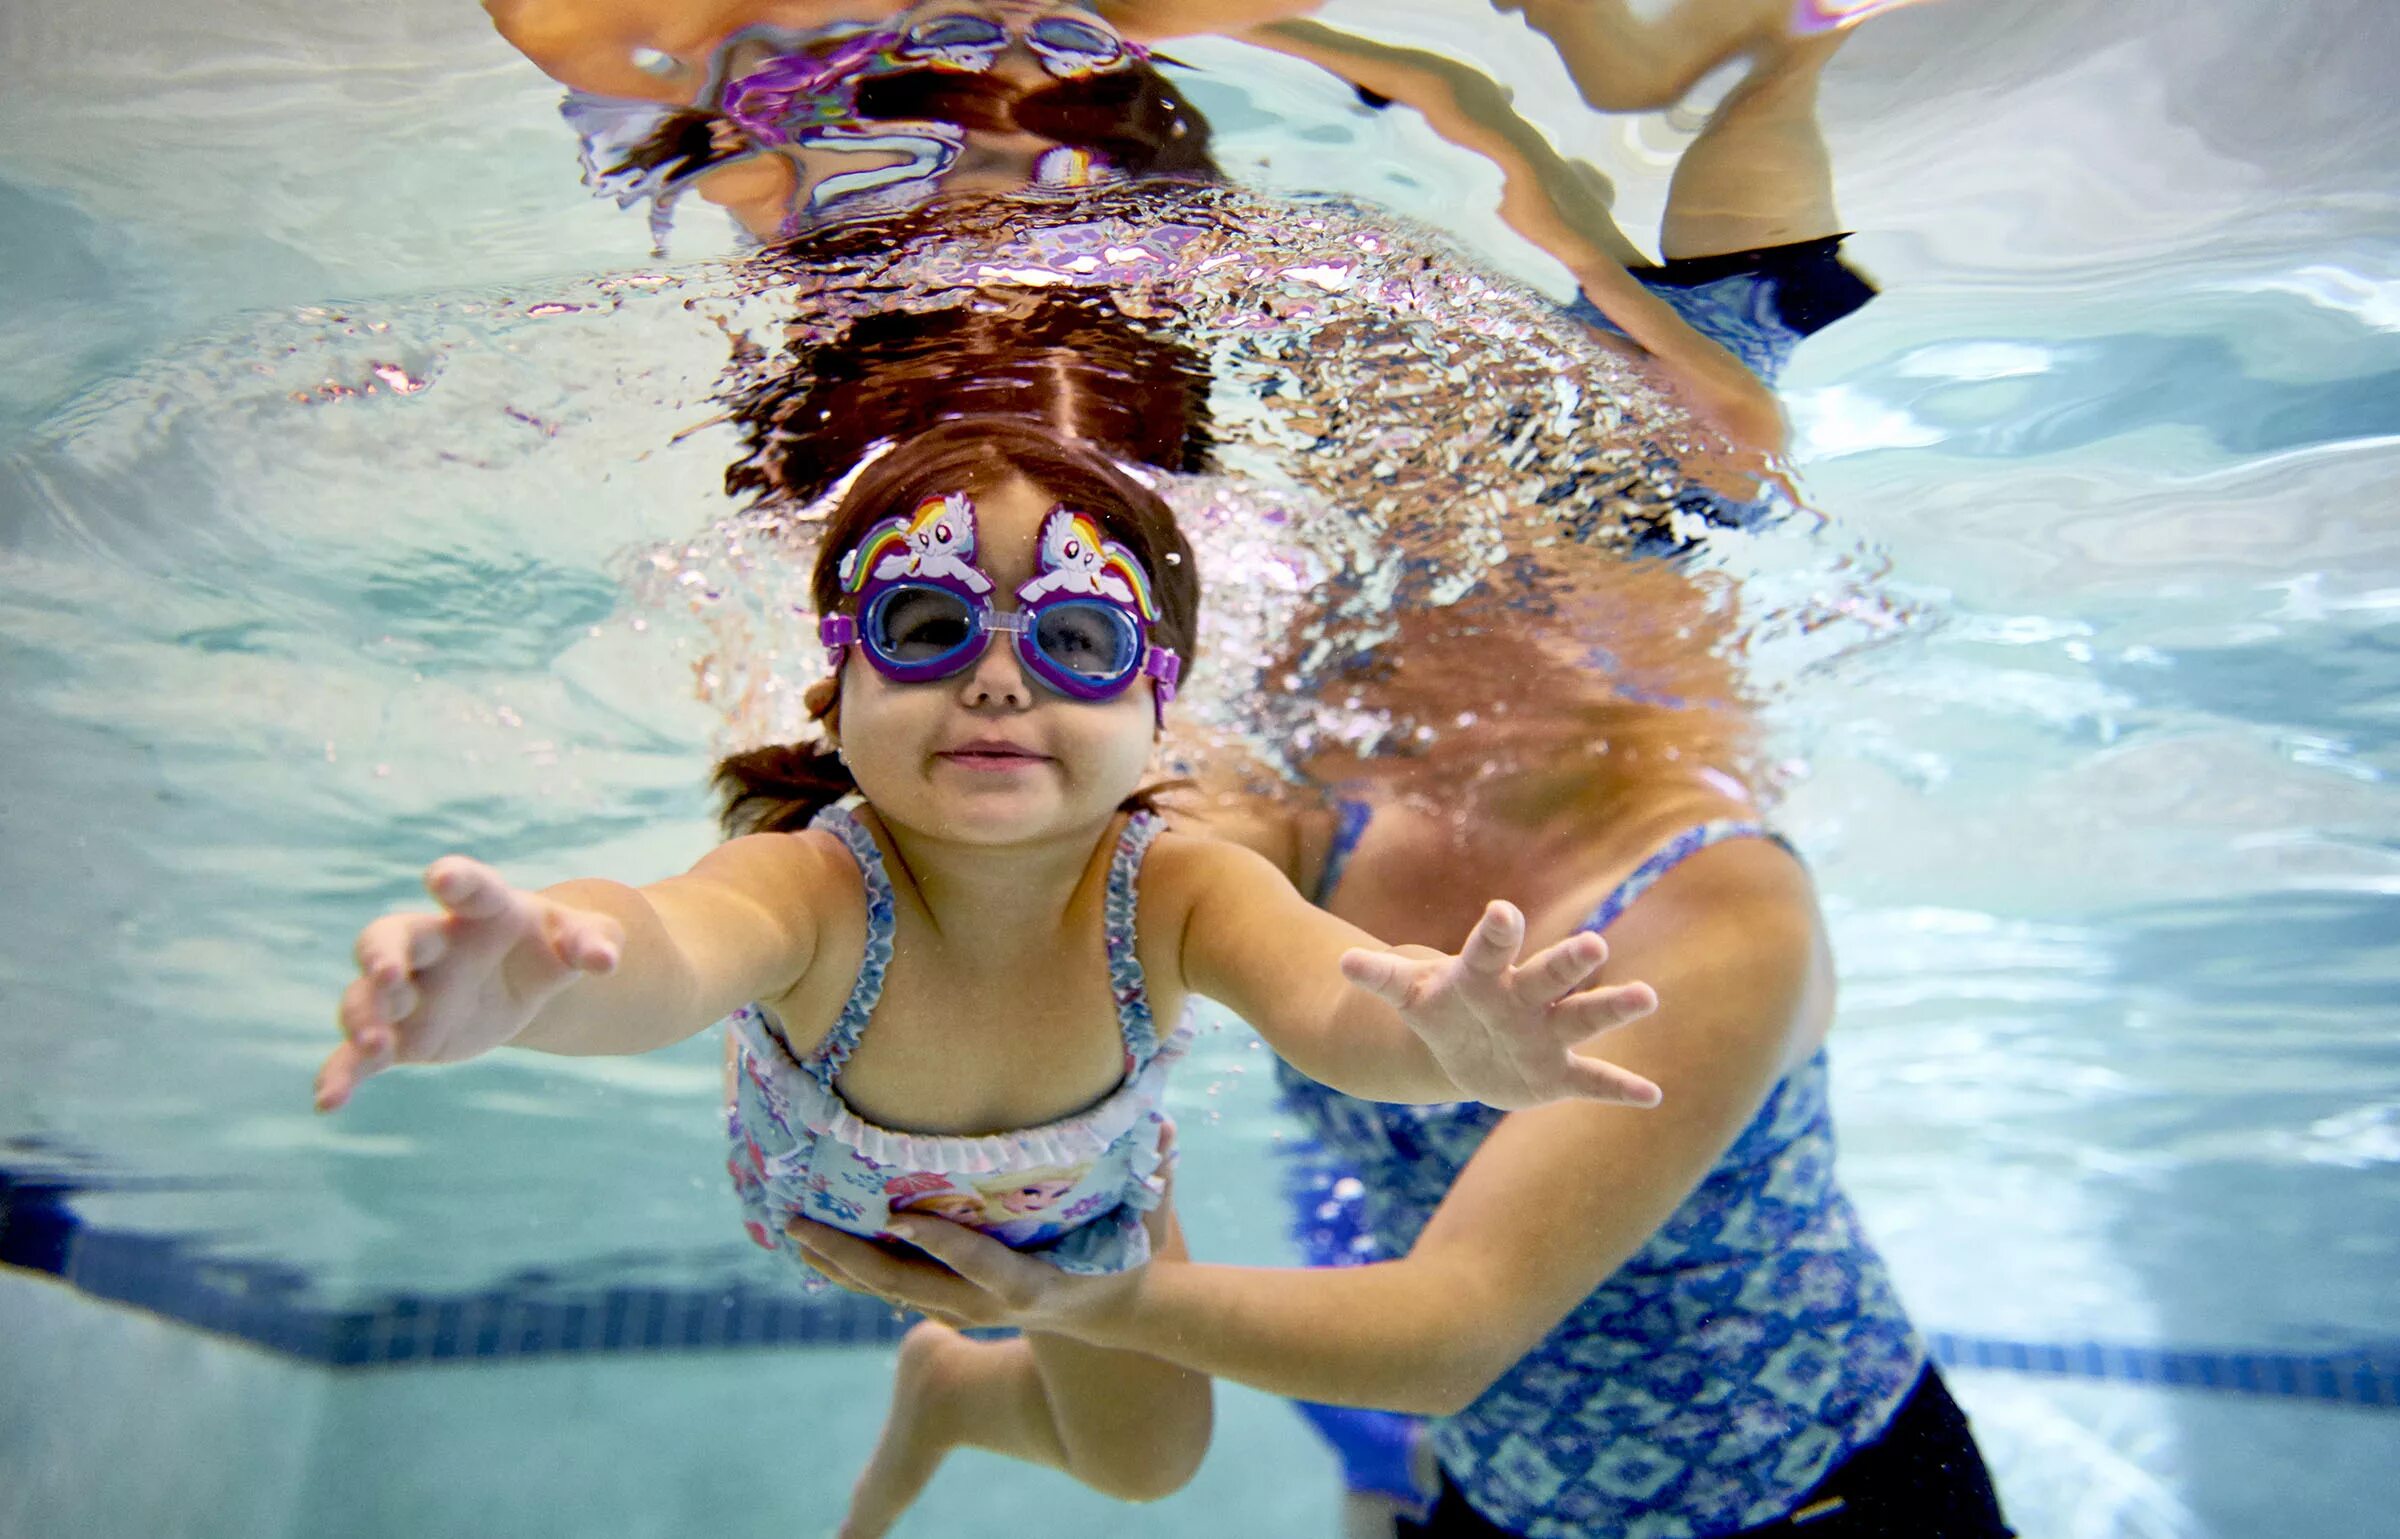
{"x":958,"y":1207}
{"x":1032,"y":1196}
{"x":987,"y":756}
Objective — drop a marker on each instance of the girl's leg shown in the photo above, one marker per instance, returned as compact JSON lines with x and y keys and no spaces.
{"x":1126,"y":1425}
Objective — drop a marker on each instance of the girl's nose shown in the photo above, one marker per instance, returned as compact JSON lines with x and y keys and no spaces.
{"x":997,"y":681}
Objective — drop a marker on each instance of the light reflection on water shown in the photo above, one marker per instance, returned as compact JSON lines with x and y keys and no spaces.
{"x":2105,"y":818}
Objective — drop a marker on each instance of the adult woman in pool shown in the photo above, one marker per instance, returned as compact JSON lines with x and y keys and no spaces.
{"x":1668,"y":1326}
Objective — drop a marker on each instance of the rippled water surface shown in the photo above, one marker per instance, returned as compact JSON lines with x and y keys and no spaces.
{"x":353,"y":461}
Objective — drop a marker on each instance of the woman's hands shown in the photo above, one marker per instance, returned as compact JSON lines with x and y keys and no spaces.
{"x":1505,"y":1033}
{"x":972,"y":1279}
{"x":439,"y":988}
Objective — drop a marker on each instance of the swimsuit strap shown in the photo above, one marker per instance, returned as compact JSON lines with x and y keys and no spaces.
{"x":825,"y":1060}
{"x":1124,"y":967}
{"x":1352,"y":818}
{"x":1672,"y":854}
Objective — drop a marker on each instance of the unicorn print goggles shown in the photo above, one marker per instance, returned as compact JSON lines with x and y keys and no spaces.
{"x":924,"y":609}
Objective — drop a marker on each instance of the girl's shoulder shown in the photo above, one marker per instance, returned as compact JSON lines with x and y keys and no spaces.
{"x":1186,"y":867}
{"x":798,"y":870}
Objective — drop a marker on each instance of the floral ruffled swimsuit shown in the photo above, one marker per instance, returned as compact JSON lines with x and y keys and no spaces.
{"x":1072,"y":1192}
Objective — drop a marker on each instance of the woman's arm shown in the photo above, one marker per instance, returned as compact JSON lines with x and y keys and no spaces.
{"x":1401,"y":1023}
{"x":1553,"y":1203}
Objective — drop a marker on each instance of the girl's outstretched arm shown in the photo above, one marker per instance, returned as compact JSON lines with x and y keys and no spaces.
{"x":583,"y":967}
{"x":1402,"y":1023}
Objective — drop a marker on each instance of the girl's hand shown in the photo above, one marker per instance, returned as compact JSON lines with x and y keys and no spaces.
{"x":972,"y":1279}
{"x":438,"y":988}
{"x":1504,"y":1033}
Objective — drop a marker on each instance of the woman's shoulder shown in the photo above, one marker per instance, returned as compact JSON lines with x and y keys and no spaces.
{"x":1702,"y":848}
{"x":1722,"y":907}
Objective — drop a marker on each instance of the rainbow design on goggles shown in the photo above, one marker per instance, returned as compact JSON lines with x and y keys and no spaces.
{"x":935,"y":542}
{"x":922,"y":611}
{"x":1077,"y":559}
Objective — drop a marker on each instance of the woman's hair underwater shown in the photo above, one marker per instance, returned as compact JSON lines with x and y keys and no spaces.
{"x":781,"y":787}
{"x":1587,"y":684}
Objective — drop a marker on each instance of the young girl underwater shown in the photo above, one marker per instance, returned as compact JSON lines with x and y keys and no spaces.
{"x":946,"y":937}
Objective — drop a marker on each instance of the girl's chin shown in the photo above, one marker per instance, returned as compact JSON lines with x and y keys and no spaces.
{"x":1000,"y":815}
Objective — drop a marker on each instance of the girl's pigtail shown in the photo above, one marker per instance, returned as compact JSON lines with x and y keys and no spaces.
{"x":778,"y":789}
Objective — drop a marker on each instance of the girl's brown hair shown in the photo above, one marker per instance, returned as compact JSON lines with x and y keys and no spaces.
{"x":780,"y":788}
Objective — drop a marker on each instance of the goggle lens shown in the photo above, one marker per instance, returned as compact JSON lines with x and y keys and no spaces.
{"x":1084,"y":648}
{"x":944,"y":34}
{"x":1090,"y":641}
{"x":917,"y":626}
{"x":1070,"y":42}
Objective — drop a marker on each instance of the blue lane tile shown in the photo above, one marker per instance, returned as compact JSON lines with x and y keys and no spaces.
{"x":535,"y":1314}
{"x":447,"y":1335}
{"x":612,"y":1322}
{"x":483,"y":1327}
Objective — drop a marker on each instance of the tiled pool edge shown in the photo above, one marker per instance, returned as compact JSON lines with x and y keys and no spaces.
{"x":263,"y":1305}
{"x":266,"y":1304}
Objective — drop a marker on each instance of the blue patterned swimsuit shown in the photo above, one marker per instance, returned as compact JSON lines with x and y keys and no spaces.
{"x":1072,"y":1191}
{"x":1707,"y":1384}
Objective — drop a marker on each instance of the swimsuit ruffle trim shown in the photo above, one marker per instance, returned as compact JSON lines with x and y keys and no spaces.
{"x":1073,"y":1140}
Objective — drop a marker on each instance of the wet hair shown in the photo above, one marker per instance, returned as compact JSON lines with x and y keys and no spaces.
{"x":781,"y":787}
{"x":1135,"y":120}
{"x":1067,"y":359}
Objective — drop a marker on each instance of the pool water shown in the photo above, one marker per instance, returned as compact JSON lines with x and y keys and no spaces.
{"x":2092,"y":764}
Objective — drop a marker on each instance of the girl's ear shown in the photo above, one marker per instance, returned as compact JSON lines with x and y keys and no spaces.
{"x":823,"y":701}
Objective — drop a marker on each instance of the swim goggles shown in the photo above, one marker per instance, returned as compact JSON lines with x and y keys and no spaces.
{"x":923,"y":608}
{"x":1067,"y":47}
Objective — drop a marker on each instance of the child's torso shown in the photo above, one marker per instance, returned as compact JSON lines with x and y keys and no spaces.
{"x":1026,"y":1102}
{"x":961,"y":1043}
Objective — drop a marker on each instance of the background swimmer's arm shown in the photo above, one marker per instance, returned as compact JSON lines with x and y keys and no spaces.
{"x":1404,"y":1023}
{"x":590,"y":45}
{"x":1560,"y":205}
{"x":1147,"y":21}
{"x":1554,"y":1202}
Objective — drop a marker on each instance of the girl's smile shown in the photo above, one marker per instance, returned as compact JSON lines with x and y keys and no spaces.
{"x":987,"y":755}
